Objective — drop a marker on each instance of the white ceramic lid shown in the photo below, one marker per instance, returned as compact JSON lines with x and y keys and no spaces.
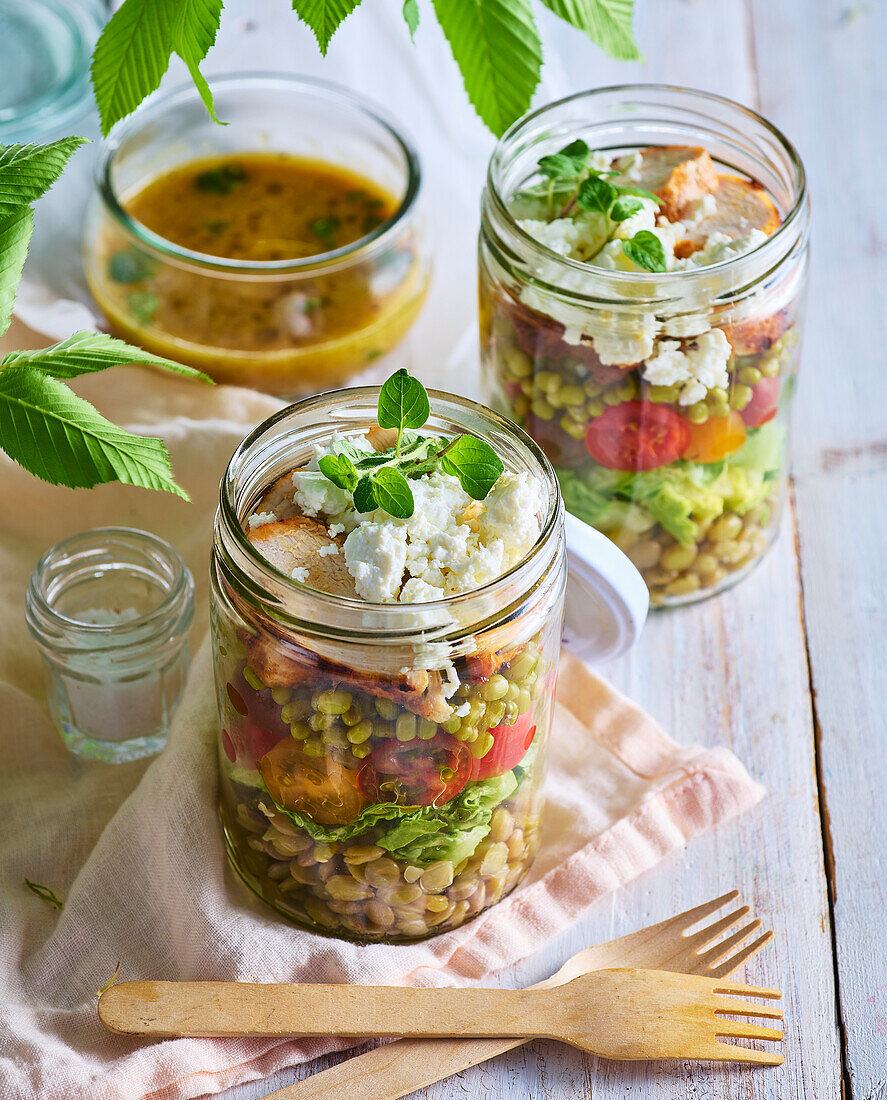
{"x":607,"y":599}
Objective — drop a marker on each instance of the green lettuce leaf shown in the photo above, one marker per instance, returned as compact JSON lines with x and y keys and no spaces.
{"x":422,"y":834}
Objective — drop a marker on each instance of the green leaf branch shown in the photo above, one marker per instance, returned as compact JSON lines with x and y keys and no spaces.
{"x":495,"y":43}
{"x":381,"y":479}
{"x":44,"y":426}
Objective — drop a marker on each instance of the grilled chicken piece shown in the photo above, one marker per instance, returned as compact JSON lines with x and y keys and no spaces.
{"x":742,"y":205}
{"x":757,"y":334}
{"x":283,"y":663}
{"x":295,"y":543}
{"x":677,"y":174}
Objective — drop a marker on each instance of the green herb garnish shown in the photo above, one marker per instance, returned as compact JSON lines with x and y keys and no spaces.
{"x":645,"y":249}
{"x":381,"y":480}
{"x":129,"y":266}
{"x":220,"y":181}
{"x":325,"y":229}
{"x":570,"y":181}
{"x":47,"y":429}
{"x":111,"y":980}
{"x":45,"y":894}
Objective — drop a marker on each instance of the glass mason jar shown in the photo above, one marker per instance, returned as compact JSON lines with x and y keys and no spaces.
{"x":354,"y":798}
{"x":695,"y":525}
{"x":110,"y":610}
{"x":274,"y":324}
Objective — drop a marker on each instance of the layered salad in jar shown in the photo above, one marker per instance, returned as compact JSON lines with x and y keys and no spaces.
{"x":395,"y":795}
{"x":667,"y":428}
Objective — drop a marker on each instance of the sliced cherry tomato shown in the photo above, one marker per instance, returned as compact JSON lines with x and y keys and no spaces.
{"x":637,"y":435}
{"x":256,"y":726}
{"x":763,"y":404}
{"x":416,"y":773}
{"x":510,"y":744}
{"x":315,"y":786}
{"x":718,"y":437}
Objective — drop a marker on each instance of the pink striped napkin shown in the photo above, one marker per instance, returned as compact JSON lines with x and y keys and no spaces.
{"x":136,"y":849}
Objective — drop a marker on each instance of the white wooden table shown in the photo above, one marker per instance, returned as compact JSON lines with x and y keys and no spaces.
{"x":788,"y":669}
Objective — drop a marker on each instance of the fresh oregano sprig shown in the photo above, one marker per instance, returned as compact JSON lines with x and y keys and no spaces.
{"x":381,"y":480}
{"x":571,"y":181}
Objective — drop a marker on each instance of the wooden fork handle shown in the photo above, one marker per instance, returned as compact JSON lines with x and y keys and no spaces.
{"x":395,"y":1069}
{"x":224,"y":1009}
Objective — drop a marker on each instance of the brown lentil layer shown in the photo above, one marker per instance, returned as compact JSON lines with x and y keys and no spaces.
{"x":357,"y":890}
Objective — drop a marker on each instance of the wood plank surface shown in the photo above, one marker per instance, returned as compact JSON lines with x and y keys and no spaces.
{"x":828,"y":91}
{"x":731,"y":671}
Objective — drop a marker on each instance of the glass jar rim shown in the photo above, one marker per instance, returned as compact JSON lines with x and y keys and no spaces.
{"x":178,"y":596}
{"x":773,"y":249}
{"x":400,"y":616}
{"x":161,"y":102}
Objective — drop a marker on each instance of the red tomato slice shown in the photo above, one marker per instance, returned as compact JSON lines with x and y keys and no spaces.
{"x":718,"y":437}
{"x":416,"y":773}
{"x":316,"y":786}
{"x":763,"y":404}
{"x":637,"y":435}
{"x":510,"y":744}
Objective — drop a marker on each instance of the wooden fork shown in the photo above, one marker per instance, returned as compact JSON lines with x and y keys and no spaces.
{"x":620,"y":1013}
{"x":394,"y":1070}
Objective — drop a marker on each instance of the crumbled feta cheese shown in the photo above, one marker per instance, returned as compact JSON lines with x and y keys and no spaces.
{"x":560,"y":235}
{"x":698,"y":368}
{"x":599,"y":162}
{"x":327,"y":551}
{"x":418,"y":591}
{"x":719,"y":248}
{"x":376,"y":554}
{"x":463,"y":710}
{"x":259,"y":519}
{"x":336,"y":529}
{"x":300,"y":573}
{"x":316,"y":495}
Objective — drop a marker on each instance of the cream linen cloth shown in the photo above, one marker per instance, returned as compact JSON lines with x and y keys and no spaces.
{"x":135,"y":850}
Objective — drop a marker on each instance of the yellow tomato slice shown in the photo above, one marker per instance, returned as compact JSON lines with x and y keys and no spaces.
{"x":718,"y":437}
{"x":317,"y":787}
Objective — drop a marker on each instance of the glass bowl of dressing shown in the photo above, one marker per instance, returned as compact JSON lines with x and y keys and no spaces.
{"x":283,"y":251}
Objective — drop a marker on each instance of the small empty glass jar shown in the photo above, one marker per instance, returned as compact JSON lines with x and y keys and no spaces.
{"x":110,"y":610}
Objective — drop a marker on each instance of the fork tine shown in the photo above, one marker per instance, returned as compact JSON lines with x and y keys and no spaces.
{"x":738,"y":1030}
{"x":739,"y":989}
{"x":746,"y":1008}
{"x":719,"y":950}
{"x":700,"y":912}
{"x":712,"y":931}
{"x":727,"y":1052}
{"x":725,"y":968}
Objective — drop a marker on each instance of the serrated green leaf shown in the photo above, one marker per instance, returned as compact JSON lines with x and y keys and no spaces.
{"x":324,"y":17}
{"x":59,"y":437}
{"x":411,"y":15}
{"x":496,"y":46}
{"x":196,"y":26}
{"x":131,"y":56}
{"x":606,"y":22}
{"x":393,"y":493}
{"x":88,"y":352}
{"x":28,"y":171}
{"x":16,"y":227}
